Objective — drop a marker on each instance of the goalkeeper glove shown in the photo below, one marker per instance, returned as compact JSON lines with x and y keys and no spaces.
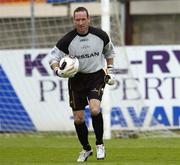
{"x":65,"y":72}
{"x":110,"y":78}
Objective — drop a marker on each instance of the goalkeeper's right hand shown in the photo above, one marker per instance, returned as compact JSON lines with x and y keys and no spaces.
{"x":110,"y":78}
{"x":58,"y":72}
{"x":65,"y":73}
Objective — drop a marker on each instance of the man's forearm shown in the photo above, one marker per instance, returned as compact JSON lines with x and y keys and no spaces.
{"x":110,"y":61}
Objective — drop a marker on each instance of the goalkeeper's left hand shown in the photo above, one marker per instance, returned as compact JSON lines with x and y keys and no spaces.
{"x":110,"y":78}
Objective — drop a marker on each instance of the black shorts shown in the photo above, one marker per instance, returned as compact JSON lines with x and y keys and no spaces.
{"x":83,"y":87}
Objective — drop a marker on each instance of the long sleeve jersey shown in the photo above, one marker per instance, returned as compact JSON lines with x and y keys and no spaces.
{"x":91,"y":49}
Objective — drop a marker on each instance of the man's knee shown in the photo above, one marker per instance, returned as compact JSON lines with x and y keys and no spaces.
{"x":95,"y":111}
{"x":94,"y":105}
{"x":78,"y":117}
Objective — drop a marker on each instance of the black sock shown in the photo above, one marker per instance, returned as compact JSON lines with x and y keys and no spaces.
{"x":82,"y":133}
{"x":97,"y":122}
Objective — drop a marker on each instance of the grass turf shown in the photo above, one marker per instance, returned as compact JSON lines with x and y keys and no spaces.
{"x":57,"y":150}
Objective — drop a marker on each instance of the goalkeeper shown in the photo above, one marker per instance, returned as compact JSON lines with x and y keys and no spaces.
{"x":93,"y":48}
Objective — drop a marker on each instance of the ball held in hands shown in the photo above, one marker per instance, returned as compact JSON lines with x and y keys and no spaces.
{"x":68,"y":67}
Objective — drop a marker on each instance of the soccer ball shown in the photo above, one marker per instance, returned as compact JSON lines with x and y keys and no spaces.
{"x":69,"y":66}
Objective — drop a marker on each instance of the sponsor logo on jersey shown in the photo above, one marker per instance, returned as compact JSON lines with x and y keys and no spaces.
{"x":84,"y":39}
{"x":88,"y":55}
{"x":85,"y":47}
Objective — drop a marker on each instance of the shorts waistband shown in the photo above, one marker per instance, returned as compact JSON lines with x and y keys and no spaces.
{"x":80,"y":73}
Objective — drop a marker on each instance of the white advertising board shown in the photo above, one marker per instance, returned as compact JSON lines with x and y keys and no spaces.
{"x":148,"y":89}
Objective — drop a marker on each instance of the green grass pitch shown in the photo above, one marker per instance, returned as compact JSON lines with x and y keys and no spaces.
{"x":57,"y":150}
